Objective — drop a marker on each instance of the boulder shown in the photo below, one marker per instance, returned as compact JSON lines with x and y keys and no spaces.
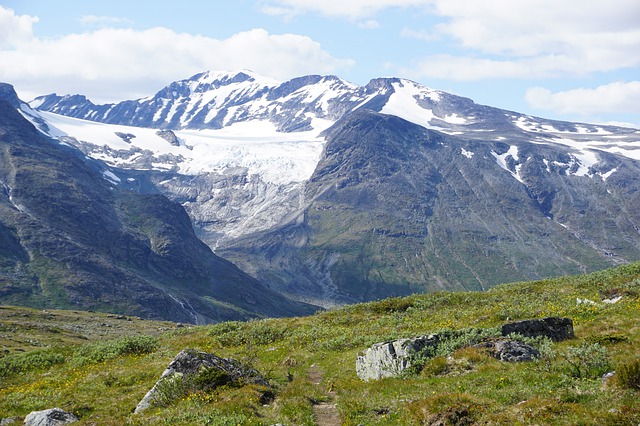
{"x":557,"y":329}
{"x":391,"y":359}
{"x":50,"y":417}
{"x":198,"y":371}
{"x":510,"y":350}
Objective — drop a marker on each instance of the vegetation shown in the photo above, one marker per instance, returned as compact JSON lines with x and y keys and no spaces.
{"x":99,"y":366}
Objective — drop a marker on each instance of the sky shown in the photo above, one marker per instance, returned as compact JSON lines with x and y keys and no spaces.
{"x":564,"y":60}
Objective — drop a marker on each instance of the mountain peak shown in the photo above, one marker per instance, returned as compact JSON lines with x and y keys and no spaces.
{"x":8,"y":93}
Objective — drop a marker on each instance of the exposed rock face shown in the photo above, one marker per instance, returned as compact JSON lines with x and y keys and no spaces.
{"x":169,"y":136}
{"x":557,"y":329}
{"x":189,"y":364}
{"x":510,"y":350}
{"x":390,"y":359}
{"x":51,"y":417}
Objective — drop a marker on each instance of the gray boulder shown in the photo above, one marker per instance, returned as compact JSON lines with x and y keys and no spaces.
{"x":50,"y":417}
{"x":557,"y":329}
{"x":510,"y":350}
{"x":197,"y":371}
{"x":391,"y":359}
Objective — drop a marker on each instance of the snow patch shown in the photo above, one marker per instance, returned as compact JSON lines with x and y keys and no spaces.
{"x":404,"y":104}
{"x":108,"y":175}
{"x":501,"y":159}
{"x":608,"y":174}
{"x":455,"y":119}
{"x":466,"y":153}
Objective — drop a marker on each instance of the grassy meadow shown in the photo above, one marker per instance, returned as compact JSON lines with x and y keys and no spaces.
{"x":99,"y":366}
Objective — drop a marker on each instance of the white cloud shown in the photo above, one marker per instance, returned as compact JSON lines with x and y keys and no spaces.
{"x":102,"y":21}
{"x":610,"y":98}
{"x":114,"y":64}
{"x":534,"y":38}
{"x":419,"y":34}
{"x":15,"y":30}
{"x":506,"y":38}
{"x":351,"y":9}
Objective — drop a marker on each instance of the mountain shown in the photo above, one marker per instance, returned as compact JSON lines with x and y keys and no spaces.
{"x":333,"y":193}
{"x":73,"y":239}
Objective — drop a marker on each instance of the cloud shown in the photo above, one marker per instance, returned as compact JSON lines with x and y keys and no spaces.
{"x":103,"y":21}
{"x":617,"y":97}
{"x":419,"y":34}
{"x":15,"y":30}
{"x":505,"y":38}
{"x":114,"y":64}
{"x":353,"y":9}
{"x":533,"y":38}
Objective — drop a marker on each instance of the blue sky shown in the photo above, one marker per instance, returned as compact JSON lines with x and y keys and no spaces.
{"x":555,"y":59}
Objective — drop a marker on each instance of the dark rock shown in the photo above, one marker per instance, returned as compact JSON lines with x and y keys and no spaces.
{"x":169,"y":136}
{"x":189,"y":364}
{"x":125,"y":136}
{"x":557,"y":329}
{"x":50,"y":417}
{"x":510,"y":350}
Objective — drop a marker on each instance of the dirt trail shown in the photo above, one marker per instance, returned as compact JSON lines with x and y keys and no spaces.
{"x":326,"y":414}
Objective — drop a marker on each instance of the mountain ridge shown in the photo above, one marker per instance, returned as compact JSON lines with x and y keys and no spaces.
{"x":500,"y":196}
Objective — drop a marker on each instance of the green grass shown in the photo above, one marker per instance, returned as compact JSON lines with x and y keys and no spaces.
{"x":465,"y":385}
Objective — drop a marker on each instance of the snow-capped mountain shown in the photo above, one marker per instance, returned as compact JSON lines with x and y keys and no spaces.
{"x":255,"y":162}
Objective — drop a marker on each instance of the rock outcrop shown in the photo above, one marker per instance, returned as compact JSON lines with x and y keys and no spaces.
{"x":192,"y":370}
{"x":391,"y":359}
{"x":557,"y":329}
{"x":50,"y":417}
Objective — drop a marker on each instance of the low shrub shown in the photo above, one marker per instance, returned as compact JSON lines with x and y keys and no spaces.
{"x":628,"y":374}
{"x":587,"y":361}
{"x":103,"y":351}
{"x":436,"y":366}
{"x":451,"y":341}
{"x":19,"y":363}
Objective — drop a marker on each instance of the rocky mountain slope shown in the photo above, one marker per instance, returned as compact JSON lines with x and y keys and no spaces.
{"x":73,"y":239}
{"x":335,"y":193}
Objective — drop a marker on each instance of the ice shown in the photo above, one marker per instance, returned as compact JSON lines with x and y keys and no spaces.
{"x":277,"y":157}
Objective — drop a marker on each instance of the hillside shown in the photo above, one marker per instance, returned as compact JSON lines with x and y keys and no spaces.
{"x":72,"y":239}
{"x":71,"y":359}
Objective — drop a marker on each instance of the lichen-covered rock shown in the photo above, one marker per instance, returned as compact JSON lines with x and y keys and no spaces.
{"x":510,"y":350}
{"x":200,"y":370}
{"x":391,"y":359}
{"x":555,"y":328}
{"x":50,"y":417}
